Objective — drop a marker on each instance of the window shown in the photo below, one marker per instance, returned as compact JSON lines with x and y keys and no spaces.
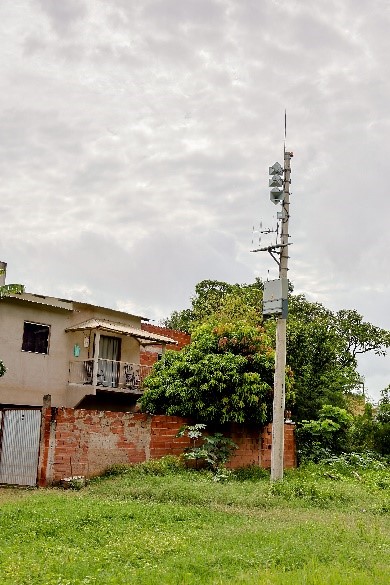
{"x":35,"y":337}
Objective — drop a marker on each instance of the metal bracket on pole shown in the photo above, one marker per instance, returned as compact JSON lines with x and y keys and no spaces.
{"x":272,"y":250}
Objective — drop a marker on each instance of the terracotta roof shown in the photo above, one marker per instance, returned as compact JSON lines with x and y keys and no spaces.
{"x":180,"y":337}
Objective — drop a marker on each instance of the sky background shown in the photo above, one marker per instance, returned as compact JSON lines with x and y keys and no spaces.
{"x":136,"y":137}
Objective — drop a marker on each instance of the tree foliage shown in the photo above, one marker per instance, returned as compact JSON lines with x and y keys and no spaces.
{"x":360,"y":336}
{"x":330,"y":433}
{"x":382,"y":424}
{"x":2,"y":369}
{"x":224,"y":375}
{"x":210,"y":298}
{"x":322,"y":346}
{"x":383,"y":414}
{"x":368,"y":431}
{"x":321,"y":350}
{"x":316,"y":354}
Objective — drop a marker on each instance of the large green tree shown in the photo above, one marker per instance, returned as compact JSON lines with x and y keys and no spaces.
{"x":359,"y":336}
{"x":316,"y":353}
{"x":322,"y":346}
{"x":322,"y":351}
{"x":209,"y":299}
{"x":225,"y":375}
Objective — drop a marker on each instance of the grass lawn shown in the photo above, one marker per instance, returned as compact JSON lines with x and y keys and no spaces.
{"x":155,"y":525}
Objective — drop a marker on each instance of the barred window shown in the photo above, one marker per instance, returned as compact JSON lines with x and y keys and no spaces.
{"x":36,"y":337}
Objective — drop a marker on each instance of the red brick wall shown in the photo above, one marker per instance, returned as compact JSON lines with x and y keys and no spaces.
{"x":86,"y":442}
{"x":248,"y":442}
{"x":163,"y":440}
{"x":149,"y":354}
{"x":289,"y":446}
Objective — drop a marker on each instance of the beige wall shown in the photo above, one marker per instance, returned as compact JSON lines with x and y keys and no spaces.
{"x":83,"y":312}
{"x":30,"y":376}
{"x":129,"y":346}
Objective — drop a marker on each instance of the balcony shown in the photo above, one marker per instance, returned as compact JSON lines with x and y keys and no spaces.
{"x":109,"y":375}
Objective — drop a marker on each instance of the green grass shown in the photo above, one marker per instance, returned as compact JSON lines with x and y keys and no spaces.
{"x":157,"y":524}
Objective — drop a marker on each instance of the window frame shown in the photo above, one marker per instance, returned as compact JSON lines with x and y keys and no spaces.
{"x":47,"y":340}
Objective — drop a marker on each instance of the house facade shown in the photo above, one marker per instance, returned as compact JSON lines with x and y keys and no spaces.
{"x":81,"y":354}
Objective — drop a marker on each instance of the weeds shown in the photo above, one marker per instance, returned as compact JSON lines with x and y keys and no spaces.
{"x":214,"y":450}
{"x":309,"y":492}
{"x":250,"y":473}
{"x":160,"y":523}
{"x":164,"y":466}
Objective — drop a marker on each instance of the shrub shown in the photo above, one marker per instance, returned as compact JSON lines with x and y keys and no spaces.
{"x":329,"y":434}
{"x":347,"y":462}
{"x":224,"y":375}
{"x":382,"y":438}
{"x":215,"y":450}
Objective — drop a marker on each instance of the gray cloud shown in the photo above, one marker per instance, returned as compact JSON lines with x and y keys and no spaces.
{"x":63,"y":15}
{"x":136,"y":139}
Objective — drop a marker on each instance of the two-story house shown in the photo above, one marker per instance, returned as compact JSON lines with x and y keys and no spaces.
{"x":81,"y":354}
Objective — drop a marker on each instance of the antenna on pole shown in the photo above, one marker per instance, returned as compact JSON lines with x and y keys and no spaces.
{"x":275,"y":301}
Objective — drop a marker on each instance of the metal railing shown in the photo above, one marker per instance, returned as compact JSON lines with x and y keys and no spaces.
{"x":110,"y":374}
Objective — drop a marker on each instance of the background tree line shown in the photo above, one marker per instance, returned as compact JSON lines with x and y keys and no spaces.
{"x":226,"y":373}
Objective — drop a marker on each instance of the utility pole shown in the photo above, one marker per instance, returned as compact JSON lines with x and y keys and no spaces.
{"x":275,"y":302}
{"x":277,"y":452}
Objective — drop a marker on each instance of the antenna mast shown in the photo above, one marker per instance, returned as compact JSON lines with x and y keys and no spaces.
{"x":277,"y":452}
{"x":275,"y":302}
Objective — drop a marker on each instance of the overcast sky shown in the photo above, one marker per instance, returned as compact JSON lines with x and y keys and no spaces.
{"x":136,"y":137}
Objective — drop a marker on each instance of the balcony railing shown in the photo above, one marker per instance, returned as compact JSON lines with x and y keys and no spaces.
{"x":125,"y":376}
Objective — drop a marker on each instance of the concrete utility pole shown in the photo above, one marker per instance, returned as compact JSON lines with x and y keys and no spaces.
{"x":277,"y":452}
{"x":275,"y":302}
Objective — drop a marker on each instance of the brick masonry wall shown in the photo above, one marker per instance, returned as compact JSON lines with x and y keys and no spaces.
{"x":289,"y":446}
{"x":163,"y":440}
{"x":86,"y":442}
{"x":248,"y":442}
{"x":149,"y":354}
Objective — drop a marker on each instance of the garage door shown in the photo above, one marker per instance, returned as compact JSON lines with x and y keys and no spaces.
{"x":19,"y":446}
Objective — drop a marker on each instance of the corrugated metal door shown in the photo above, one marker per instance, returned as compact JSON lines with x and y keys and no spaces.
{"x":19,"y":446}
